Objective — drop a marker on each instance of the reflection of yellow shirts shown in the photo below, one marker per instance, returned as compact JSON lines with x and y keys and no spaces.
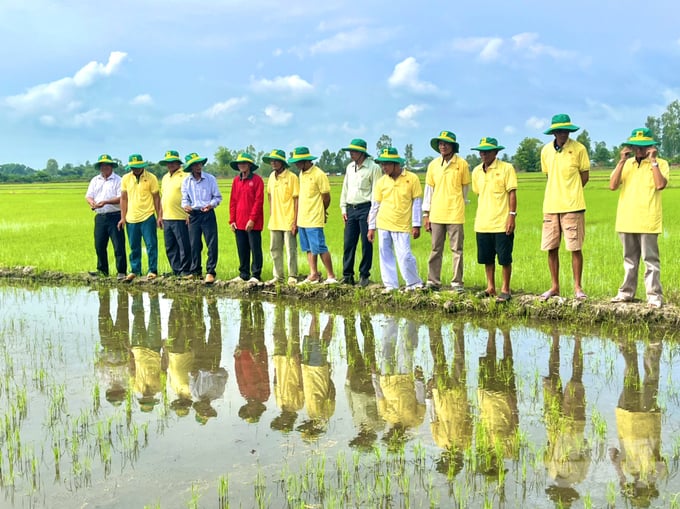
{"x":639,"y":209}
{"x":179,"y":366}
{"x":396,"y":201}
{"x":140,"y":195}
{"x":147,"y":370}
{"x":319,"y":391}
{"x":364,"y":410}
{"x":452,"y":427}
{"x":448,"y":205}
{"x":498,"y":415}
{"x":399,"y":404}
{"x":640,"y":438}
{"x":171,"y":195}
{"x":288,"y":383}
{"x":282,"y":189}
{"x":567,"y":455}
{"x":564,"y":190}
{"x":313,"y":184}
{"x":493,"y":187}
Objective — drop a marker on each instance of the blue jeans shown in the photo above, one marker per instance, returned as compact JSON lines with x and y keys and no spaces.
{"x":147,"y":230}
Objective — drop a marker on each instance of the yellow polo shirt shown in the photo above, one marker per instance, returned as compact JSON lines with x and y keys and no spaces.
{"x":640,"y":438}
{"x":564,"y":191}
{"x":288,"y":383}
{"x":639,"y":209}
{"x":396,"y":201}
{"x":399,"y":404}
{"x":313,"y":184}
{"x":171,"y":195}
{"x":282,"y":190}
{"x":447,"y":181}
{"x":179,"y":366}
{"x":452,"y":427}
{"x":493,"y":186}
{"x":140,"y":195}
{"x":319,"y":391}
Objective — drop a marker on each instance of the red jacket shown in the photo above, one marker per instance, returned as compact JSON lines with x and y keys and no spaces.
{"x":247,"y":202}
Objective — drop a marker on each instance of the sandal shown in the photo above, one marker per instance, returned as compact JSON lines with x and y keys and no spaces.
{"x":548,"y":295}
{"x":580,"y":295}
{"x":484,"y":294}
{"x":503,"y":298}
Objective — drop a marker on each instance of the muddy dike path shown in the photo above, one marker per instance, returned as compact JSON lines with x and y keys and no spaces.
{"x":633,"y":320}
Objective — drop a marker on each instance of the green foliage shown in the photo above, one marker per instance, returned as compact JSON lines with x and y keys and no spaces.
{"x":528,"y":155}
{"x":584,"y":139}
{"x":473,"y":160}
{"x":383,"y":142}
{"x":601,"y":155}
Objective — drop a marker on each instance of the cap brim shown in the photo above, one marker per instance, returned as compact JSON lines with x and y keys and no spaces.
{"x":434,"y":143}
{"x":294,"y":160}
{"x":571,"y":128}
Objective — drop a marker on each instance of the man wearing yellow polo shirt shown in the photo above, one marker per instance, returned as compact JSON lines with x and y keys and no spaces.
{"x":175,"y":227}
{"x":496,"y":183}
{"x":139,"y":200}
{"x":446,"y":186}
{"x":567,"y":166}
{"x":283,"y":189}
{"x":641,"y":179}
{"x":315,"y":198}
{"x":396,"y":211}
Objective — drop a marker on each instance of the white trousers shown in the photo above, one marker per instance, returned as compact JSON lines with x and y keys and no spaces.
{"x":398,"y":243}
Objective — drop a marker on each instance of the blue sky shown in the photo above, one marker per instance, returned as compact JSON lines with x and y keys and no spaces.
{"x":80,"y":78}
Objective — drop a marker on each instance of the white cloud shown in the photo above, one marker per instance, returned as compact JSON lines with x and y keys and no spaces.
{"x":277,"y":116}
{"x":509,"y":129}
{"x":214,"y":111}
{"x":277,"y":52}
{"x":48,"y":120}
{"x":293,"y":83}
{"x":59,"y":92}
{"x":487,"y":48}
{"x":525,"y":44}
{"x":406,"y":75}
{"x":142,"y":100}
{"x":528,"y":42}
{"x":407,"y":115}
{"x":350,"y":40}
{"x":89,"y":118}
{"x":536,"y":123}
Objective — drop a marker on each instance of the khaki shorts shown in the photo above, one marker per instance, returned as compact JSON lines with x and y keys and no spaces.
{"x":573,"y":224}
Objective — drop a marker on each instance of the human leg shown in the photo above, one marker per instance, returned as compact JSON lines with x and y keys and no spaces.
{"x":366,"y":247}
{"x":134,"y":233}
{"x":456,"y":239}
{"x":101,"y":243}
{"x":196,"y":240}
{"x":291,"y":248}
{"x":276,"y":242}
{"x":434,"y":264}
{"x":255,"y":240}
{"x":151,"y":243}
{"x":118,"y":240}
{"x":243,"y":249}
{"x":650,"y":254}
{"x":351,"y":238}
{"x":210,"y":234}
{"x":388,"y":263}
{"x":405,"y":259}
{"x":172,"y":245}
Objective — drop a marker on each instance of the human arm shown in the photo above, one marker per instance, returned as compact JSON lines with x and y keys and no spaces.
{"x":660,"y":182}
{"x":372,"y":218}
{"x":343,"y":198}
{"x":159,"y":209}
{"x":416,"y":215}
{"x":326,"y":198}
{"x":233,"y":201}
{"x":186,"y":196}
{"x":615,"y":177}
{"x":427,"y":200}
{"x":123,"y":209}
{"x":512,"y":206}
{"x":257,"y":210}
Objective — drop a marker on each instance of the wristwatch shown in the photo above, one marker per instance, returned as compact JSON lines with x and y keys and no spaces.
{"x":512,"y":213}
{"x":655,"y":164}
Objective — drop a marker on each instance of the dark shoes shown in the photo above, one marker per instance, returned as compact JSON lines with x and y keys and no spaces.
{"x":348,"y":280}
{"x":364,"y":282}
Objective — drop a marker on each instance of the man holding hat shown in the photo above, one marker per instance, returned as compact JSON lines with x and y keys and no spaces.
{"x":446,"y":186}
{"x":283,"y":190}
{"x":246,"y":217}
{"x":315,"y":198}
{"x":396,"y":212}
{"x":358,"y":185}
{"x":139,"y":200}
{"x":495,"y":182}
{"x":175,"y":228}
{"x":641,"y":179}
{"x":200,"y":196}
{"x":567,"y":166}
{"x":103,"y":196}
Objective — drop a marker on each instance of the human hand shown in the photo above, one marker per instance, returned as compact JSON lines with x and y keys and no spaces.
{"x":233,"y":227}
{"x":249,"y":225}
{"x":370,"y":235}
{"x":428,"y":227}
{"x":415,"y":231}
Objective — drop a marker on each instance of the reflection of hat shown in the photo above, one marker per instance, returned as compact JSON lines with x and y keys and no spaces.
{"x":357,"y":145}
{"x":171,"y":156}
{"x":641,"y":137}
{"x":389,"y":155}
{"x":301,"y":154}
{"x":244,"y":157}
{"x":276,"y":155}
{"x":181,"y":406}
{"x":136,"y":161}
{"x":105,"y":159}
{"x":192,"y":158}
{"x":251,"y":411}
{"x":561,"y":122}
{"x":204,"y":411}
{"x":448,"y":137}
{"x":146,"y":403}
{"x":487,"y":144}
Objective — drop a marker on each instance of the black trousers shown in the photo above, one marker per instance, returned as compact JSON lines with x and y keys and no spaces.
{"x":177,"y":246}
{"x":355,"y":227}
{"x":249,"y":243}
{"x":105,"y":228}
{"x":203,"y":225}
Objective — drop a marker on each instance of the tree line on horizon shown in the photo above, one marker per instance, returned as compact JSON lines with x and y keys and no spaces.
{"x":527,"y":157}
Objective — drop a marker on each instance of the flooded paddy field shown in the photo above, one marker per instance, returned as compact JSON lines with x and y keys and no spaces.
{"x":115,"y":398}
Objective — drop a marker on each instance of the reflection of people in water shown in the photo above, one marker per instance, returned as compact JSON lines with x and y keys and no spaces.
{"x":184,"y":323}
{"x":287,"y":369}
{"x":250,"y":362}
{"x":317,"y":385}
{"x":450,"y":415}
{"x":638,"y":463}
{"x":567,"y":455}
{"x":399,"y":388}
{"x":114,"y":338}
{"x":497,"y":396}
{"x":146,"y":351}
{"x":208,"y":379}
{"x":359,"y":383}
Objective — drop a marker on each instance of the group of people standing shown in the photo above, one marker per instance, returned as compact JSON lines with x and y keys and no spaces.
{"x":380,"y":198}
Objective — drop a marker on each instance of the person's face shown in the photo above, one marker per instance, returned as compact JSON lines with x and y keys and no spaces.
{"x":197,"y":168}
{"x":561,"y":136}
{"x":173,"y":166}
{"x":106,"y":170}
{"x":640,"y":152}
{"x":277,"y":166}
{"x":390,"y":169}
{"x":355,"y":155}
{"x":445,"y":148}
{"x":137,"y":171}
{"x":244,"y":168}
{"x":303,"y":165}
{"x":488,"y":156}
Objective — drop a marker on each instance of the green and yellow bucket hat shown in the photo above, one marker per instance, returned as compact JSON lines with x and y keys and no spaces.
{"x":390,"y":155}
{"x":244,"y":157}
{"x":105,"y":159}
{"x":301,"y":154}
{"x":136,"y":161}
{"x":487,"y":144}
{"x":193,"y":158}
{"x":357,"y":145}
{"x":171,"y":156}
{"x":276,"y":155}
{"x":561,"y":122}
{"x":641,"y":137}
{"x":448,"y":137}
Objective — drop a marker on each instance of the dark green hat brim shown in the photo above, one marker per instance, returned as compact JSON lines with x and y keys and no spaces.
{"x":356,"y":148}
{"x":398,"y":160}
{"x":434,"y":143}
{"x":137,"y":166}
{"x":165,"y":162}
{"x":194,"y":161}
{"x":487,"y":148}
{"x":234,"y":165}
{"x":651,"y":143}
{"x":294,"y":159}
{"x":113,"y":164}
{"x":269,"y":159}
{"x":570,"y":127}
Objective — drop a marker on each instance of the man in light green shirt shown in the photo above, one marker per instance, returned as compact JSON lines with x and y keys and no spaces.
{"x":355,"y":202}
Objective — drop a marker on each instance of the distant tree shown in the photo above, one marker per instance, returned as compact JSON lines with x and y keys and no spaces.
{"x":223,"y":156}
{"x":341,"y":161}
{"x":52,"y":167}
{"x":473,"y":160}
{"x":505,"y":157}
{"x":584,"y":139}
{"x":384,"y":142}
{"x":670,"y":120}
{"x":327,"y":161}
{"x":528,"y":155}
{"x":601,"y":155}
{"x":654,"y":125}
{"x":408,"y":155}
{"x":426,"y":160}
